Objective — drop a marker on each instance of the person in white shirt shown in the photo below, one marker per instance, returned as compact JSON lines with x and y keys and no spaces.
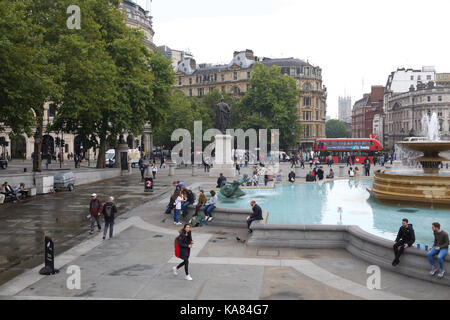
{"x":210,"y":206}
{"x":154,"y":170}
{"x":178,"y":200}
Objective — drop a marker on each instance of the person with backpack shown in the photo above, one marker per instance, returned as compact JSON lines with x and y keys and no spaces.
{"x":183,"y":245}
{"x":190,"y":199}
{"x":200,"y":204}
{"x":95,"y":210}
{"x":109,"y":212}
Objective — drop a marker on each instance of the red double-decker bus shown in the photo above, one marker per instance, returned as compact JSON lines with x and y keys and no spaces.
{"x":341,"y":148}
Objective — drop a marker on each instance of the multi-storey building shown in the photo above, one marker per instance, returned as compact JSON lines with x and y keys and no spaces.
{"x":404,"y":111}
{"x":364,"y":111}
{"x":22,"y":145}
{"x":233,"y":78}
{"x":402,"y":79}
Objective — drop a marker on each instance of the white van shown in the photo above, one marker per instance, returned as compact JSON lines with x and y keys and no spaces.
{"x":133,"y":155}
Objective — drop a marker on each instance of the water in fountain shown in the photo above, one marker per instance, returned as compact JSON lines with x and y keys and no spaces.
{"x":430,"y":127}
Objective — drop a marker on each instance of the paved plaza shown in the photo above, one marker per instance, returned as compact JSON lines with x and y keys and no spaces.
{"x":136,"y":263}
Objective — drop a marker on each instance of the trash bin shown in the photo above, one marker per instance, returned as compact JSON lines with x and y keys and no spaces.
{"x":148,"y":185}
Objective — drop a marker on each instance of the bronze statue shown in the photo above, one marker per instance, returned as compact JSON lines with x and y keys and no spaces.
{"x":223,"y":116}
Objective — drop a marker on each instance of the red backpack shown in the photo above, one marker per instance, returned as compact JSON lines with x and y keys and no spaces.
{"x":177,"y":247}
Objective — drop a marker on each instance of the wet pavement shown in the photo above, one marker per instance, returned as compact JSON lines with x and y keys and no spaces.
{"x":63,"y":217}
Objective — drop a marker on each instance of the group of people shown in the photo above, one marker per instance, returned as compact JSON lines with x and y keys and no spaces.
{"x":406,"y":238}
{"x":183,"y":197}
{"x":96,"y":210}
{"x":142,"y":167}
{"x":185,"y":242}
{"x":317,"y":174}
{"x":7,"y":191}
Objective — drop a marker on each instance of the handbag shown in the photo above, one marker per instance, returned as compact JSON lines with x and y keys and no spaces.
{"x":177,"y":248}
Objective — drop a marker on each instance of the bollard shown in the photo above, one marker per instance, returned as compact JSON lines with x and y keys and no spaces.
{"x":148,"y":185}
{"x":172,"y":169}
{"x":194,"y":170}
{"x":341,"y":171}
{"x":49,"y":258}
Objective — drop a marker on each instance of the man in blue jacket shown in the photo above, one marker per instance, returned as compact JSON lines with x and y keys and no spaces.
{"x":256,"y":215}
{"x":405,"y":238}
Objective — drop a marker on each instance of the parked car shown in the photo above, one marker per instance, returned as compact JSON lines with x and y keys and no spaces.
{"x":64,"y":181}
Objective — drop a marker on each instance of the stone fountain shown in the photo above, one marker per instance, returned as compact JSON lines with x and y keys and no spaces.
{"x":424,"y":187}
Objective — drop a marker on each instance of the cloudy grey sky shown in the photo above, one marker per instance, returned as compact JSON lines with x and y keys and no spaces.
{"x":357,"y":43}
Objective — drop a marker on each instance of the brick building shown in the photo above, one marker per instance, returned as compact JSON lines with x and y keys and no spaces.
{"x":364,"y":111}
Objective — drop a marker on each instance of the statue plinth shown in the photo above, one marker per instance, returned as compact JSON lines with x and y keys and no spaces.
{"x":223,"y":162}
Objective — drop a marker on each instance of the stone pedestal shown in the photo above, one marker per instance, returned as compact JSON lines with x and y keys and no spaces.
{"x":44,"y":184}
{"x":223,"y":162}
{"x":194,"y":170}
{"x":341,"y":171}
{"x":172,"y":167}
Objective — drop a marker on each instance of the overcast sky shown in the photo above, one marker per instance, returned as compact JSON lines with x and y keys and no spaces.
{"x":357,"y":43}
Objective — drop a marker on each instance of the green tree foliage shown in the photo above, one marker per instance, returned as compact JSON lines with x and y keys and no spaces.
{"x":270,"y":103}
{"x":336,"y":129}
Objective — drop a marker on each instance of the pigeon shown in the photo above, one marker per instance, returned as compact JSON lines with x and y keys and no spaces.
{"x":240,"y":240}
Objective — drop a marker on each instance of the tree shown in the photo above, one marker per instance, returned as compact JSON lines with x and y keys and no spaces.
{"x":336,"y":129}
{"x":113,"y":83}
{"x":270,"y":103}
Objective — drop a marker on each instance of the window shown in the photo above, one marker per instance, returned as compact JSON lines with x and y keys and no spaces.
{"x":190,"y":81}
{"x":223,"y":88}
{"x":419,"y":78}
{"x":190,"y":92}
{"x":439,"y":113}
{"x":317,"y":115}
{"x":306,"y":71}
{"x":412,"y":77}
{"x":428,"y":77}
{"x":248,"y":87}
{"x":428,"y":98}
{"x":196,"y":79}
{"x":439,"y":98}
{"x":307,"y":101}
{"x":235,"y":75}
{"x":236,"y":90}
{"x":179,"y":81}
{"x":211,"y":89}
{"x":215,"y":77}
{"x":292,"y":72}
{"x":248,"y":75}
{"x":222,"y":77}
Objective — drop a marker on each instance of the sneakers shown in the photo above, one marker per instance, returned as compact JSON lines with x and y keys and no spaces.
{"x":104,"y":237}
{"x":209,"y":219}
{"x":91,"y":232}
{"x":177,"y":223}
{"x":441,"y":273}
{"x":433,"y":271}
{"x":174,"y":269}
{"x":188,"y":277}
{"x":395,"y":262}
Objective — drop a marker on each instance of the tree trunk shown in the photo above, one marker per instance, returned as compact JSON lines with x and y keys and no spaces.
{"x":37,"y":159}
{"x":101,"y":158}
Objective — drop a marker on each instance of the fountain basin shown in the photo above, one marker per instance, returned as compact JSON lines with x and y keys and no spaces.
{"x":401,"y":187}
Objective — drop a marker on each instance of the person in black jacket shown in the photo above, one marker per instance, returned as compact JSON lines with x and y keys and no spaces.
{"x":291,"y":176}
{"x":405,"y":238}
{"x":109,"y":212}
{"x":221,"y":180}
{"x":185,"y":242}
{"x":256,"y":215}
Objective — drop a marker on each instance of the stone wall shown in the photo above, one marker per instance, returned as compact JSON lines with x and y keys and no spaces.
{"x":361,"y":244}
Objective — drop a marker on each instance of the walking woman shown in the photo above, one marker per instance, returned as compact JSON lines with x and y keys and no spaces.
{"x":185,"y":242}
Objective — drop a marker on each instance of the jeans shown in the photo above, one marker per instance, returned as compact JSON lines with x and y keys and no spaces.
{"x":441,"y":255}
{"x":94,"y":220}
{"x":207,"y":209}
{"x":184,"y":207}
{"x":398,"y":250}
{"x":109,"y":224}
{"x":198,"y":206}
{"x":176,"y":215}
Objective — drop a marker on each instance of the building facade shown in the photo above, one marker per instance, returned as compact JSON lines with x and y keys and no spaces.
{"x":345,"y":109}
{"x":402,"y":79}
{"x":364,"y":111}
{"x":23,"y":146}
{"x":233,"y":78}
{"x":404,"y":111}
{"x":176,"y":56}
